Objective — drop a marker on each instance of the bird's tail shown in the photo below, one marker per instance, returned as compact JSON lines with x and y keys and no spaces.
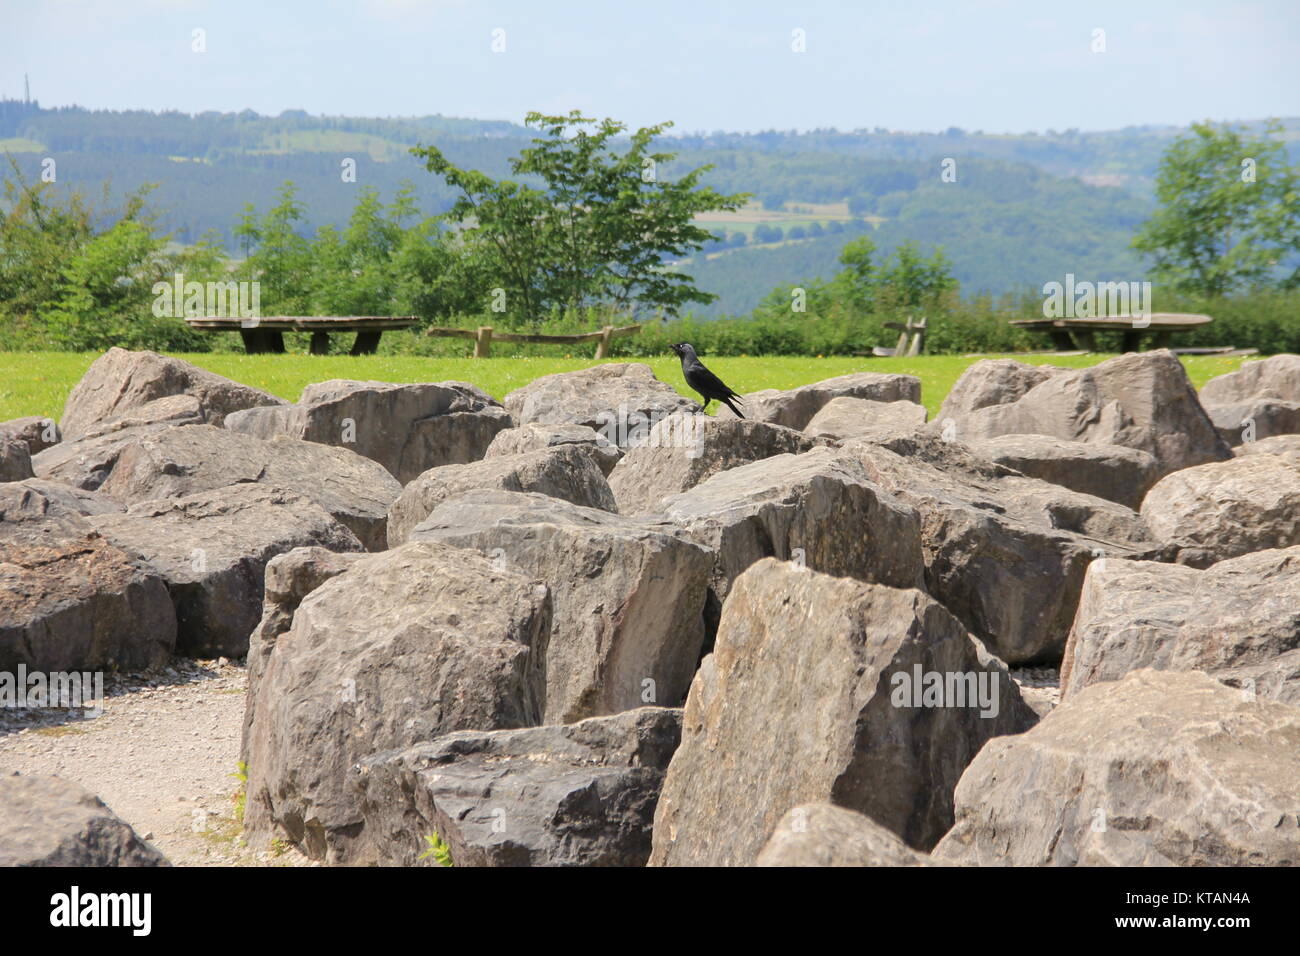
{"x":731,"y":405}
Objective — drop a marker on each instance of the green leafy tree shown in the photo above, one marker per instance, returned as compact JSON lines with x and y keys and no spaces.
{"x":909,"y":283}
{"x":78,"y":276}
{"x":1229,"y":212}
{"x":597,"y":230}
{"x":277,"y":255}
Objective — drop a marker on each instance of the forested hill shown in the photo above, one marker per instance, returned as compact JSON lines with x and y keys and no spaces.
{"x":1021,"y":207}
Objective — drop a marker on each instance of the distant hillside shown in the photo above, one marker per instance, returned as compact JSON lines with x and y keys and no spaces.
{"x":1024,"y":209}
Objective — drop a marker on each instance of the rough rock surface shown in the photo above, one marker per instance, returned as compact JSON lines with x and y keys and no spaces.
{"x":1091,"y":468}
{"x":627,"y":595}
{"x":88,"y":460}
{"x":1254,"y":419}
{"x":538,"y":437}
{"x":406,"y":428}
{"x":818,"y":508}
{"x":402,"y":647}
{"x":847,"y":417}
{"x":1159,"y":769}
{"x":992,"y":382}
{"x":36,"y":432}
{"x":581,"y":794}
{"x":1239,"y":620}
{"x":15,"y":461}
{"x":289,"y":578}
{"x":1224,"y":509}
{"x":1142,"y":400}
{"x":64,"y":499}
{"x":1275,"y":377}
{"x":120,"y":381}
{"x":1006,"y":554}
{"x":1288,"y":445}
{"x":568,"y":472}
{"x":211,"y":549}
{"x":184,"y":461}
{"x":46,"y":821}
{"x":683,"y":450}
{"x":69,"y":600}
{"x":796,"y":407}
{"x":822,"y":834}
{"x":806,"y":698}
{"x":620,"y":400}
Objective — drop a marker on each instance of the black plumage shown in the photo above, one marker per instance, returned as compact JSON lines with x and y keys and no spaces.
{"x":703,"y":381}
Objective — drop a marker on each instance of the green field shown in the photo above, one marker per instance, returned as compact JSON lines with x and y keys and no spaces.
{"x":38,"y":383}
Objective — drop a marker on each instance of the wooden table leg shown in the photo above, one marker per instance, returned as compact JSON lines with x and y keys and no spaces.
{"x":1162,"y":340}
{"x":367,"y":343}
{"x":1061,"y":339}
{"x":1132,"y":341}
{"x":320,"y":343}
{"x":262,"y":341}
{"x":1086,"y":340}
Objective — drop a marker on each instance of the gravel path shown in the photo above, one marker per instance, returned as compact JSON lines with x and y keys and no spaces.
{"x":163,"y":755}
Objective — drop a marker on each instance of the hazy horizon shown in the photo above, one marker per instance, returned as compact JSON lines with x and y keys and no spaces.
{"x":1006,"y":67}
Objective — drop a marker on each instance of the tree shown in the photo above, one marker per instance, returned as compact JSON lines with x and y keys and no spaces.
{"x":1229,"y":212}
{"x":78,"y":277}
{"x":910,"y":284}
{"x":277,"y":256}
{"x":598,"y":231}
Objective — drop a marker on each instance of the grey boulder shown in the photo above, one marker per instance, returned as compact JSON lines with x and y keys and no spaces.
{"x":1006,"y":554}
{"x":991,"y":382}
{"x":683,"y":450}
{"x":289,"y":578}
{"x":627,"y":595}
{"x":48,"y":821}
{"x":1224,"y":509}
{"x":796,"y":407}
{"x":88,"y":460}
{"x":69,"y":600}
{"x":830,"y":690}
{"x":1287,"y":445}
{"x":1105,"y":471}
{"x":121,"y":381}
{"x":211,"y":549}
{"x":401,"y":647}
{"x":581,"y":794}
{"x":568,"y":472}
{"x":406,"y":428}
{"x":822,"y":834}
{"x":177,"y":462}
{"x":15,"y":461}
{"x":35,"y":432}
{"x":847,"y":417}
{"x":1239,"y":620}
{"x":619,"y":400}
{"x":819,"y":509}
{"x":1142,"y":400}
{"x":537,"y":437}
{"x":1275,"y":377}
{"x":1159,"y":769}
{"x":1254,"y":419}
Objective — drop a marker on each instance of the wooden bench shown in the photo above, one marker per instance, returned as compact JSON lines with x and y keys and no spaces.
{"x":916,"y":330}
{"x":1066,"y":333}
{"x":266,"y":335}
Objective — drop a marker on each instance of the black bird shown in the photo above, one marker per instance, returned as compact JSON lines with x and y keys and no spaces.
{"x":702,"y":380}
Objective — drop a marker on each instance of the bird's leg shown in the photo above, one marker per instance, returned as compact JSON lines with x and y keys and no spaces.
{"x":705,"y":407}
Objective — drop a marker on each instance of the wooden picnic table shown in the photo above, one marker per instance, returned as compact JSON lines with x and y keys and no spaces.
{"x":266,"y":334}
{"x":1066,"y":331}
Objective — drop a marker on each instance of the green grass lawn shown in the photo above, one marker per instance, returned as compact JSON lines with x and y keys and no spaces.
{"x":38,"y":383}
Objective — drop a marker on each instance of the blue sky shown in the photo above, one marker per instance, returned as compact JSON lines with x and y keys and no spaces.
{"x":997,"y":66}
